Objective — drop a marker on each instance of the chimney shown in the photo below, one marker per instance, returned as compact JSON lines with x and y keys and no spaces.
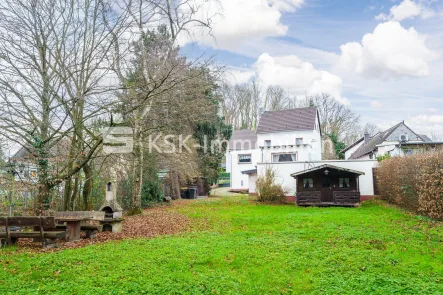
{"x":366,"y":136}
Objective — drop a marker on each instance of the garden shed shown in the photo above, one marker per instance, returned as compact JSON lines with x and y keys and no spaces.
{"x":328,"y":185}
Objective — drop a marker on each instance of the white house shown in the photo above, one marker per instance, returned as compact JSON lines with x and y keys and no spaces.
{"x":290,"y":143}
{"x":399,"y":140}
{"x":242,"y":156}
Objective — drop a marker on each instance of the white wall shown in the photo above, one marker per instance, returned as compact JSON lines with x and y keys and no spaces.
{"x":284,"y":171}
{"x":228,"y":158}
{"x":239,"y":180}
{"x":252,"y":181}
{"x":282,"y":142}
{"x":386,"y":147}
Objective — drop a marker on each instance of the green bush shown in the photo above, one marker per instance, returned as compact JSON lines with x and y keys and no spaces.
{"x":268,"y":190}
{"x":152,"y":191}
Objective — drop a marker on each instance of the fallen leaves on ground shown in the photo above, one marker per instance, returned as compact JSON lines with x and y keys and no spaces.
{"x":153,"y":222}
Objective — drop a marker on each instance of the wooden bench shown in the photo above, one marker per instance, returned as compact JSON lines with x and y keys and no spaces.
{"x":43,"y":229}
{"x":90,"y":230}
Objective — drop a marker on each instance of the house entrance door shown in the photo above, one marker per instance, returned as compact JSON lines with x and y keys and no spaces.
{"x":326,"y":190}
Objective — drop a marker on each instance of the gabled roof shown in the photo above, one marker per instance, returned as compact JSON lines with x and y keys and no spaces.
{"x":352,"y":145}
{"x":425,"y":137}
{"x":325,"y":166}
{"x":299,"y":119}
{"x":243,"y":140}
{"x":377,"y":139}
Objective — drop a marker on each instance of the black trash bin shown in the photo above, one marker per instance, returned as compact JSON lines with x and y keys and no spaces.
{"x":192,"y":193}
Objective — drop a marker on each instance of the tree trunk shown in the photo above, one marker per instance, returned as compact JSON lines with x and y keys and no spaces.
{"x":175,"y":185}
{"x":87,"y":188}
{"x":42,"y":199}
{"x":137,"y":173}
{"x":67,"y":194}
{"x":74,"y":191}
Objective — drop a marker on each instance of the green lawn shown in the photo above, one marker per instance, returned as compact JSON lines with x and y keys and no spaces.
{"x":239,"y":247}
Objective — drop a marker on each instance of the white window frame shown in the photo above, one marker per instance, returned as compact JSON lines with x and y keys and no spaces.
{"x":296,"y":139}
{"x":267,"y":143}
{"x":250,"y":157}
{"x":275,"y":154}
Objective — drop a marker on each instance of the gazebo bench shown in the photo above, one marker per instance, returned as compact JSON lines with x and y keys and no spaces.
{"x":43,"y":229}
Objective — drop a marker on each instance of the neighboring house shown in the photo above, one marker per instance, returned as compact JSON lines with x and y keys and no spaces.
{"x":399,"y":140}
{"x":25,"y":169}
{"x":290,"y":142}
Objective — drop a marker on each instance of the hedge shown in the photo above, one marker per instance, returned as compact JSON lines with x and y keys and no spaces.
{"x":414,"y":182}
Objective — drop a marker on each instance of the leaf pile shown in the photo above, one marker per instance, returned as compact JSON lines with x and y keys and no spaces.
{"x":151,"y":223}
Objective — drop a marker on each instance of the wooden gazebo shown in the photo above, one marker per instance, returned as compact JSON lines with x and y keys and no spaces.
{"x":328,"y":185}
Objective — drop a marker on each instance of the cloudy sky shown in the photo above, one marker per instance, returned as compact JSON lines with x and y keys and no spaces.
{"x":384,"y":58}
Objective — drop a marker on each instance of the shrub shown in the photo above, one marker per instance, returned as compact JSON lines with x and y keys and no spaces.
{"x":268,"y":190}
{"x":414,"y":182}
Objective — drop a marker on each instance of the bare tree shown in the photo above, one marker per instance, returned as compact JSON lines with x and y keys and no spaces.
{"x":157,"y":68}
{"x":55,"y":71}
{"x":276,"y":99}
{"x":335,"y":118}
{"x":370,"y":128}
{"x":435,"y":137}
{"x":241,"y":104}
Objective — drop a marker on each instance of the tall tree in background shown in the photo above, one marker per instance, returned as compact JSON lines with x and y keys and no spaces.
{"x":164,"y":93}
{"x":370,"y":128}
{"x":335,"y":118}
{"x":212,"y":131}
{"x":54,"y":59}
{"x":276,"y":99}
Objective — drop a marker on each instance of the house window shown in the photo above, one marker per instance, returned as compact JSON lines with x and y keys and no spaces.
{"x":371,"y":156}
{"x":243,"y":159}
{"x":267,"y":143}
{"x":284,"y":157}
{"x":308,"y":183}
{"x":344,"y":182}
{"x":408,"y":152}
{"x":299,"y":141}
{"x":33,"y":173}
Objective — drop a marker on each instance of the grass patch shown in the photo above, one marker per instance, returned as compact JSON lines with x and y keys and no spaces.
{"x":240,"y":247}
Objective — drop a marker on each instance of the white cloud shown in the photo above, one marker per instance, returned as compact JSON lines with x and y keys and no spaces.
{"x":429,"y":119}
{"x":297,"y":77}
{"x":428,"y":124}
{"x":240,"y":21}
{"x":405,"y":10}
{"x":238,"y":76}
{"x":287,"y":5}
{"x":376,"y":104}
{"x":390,"y":51}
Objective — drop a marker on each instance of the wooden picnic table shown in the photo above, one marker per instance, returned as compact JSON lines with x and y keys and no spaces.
{"x":73,"y":226}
